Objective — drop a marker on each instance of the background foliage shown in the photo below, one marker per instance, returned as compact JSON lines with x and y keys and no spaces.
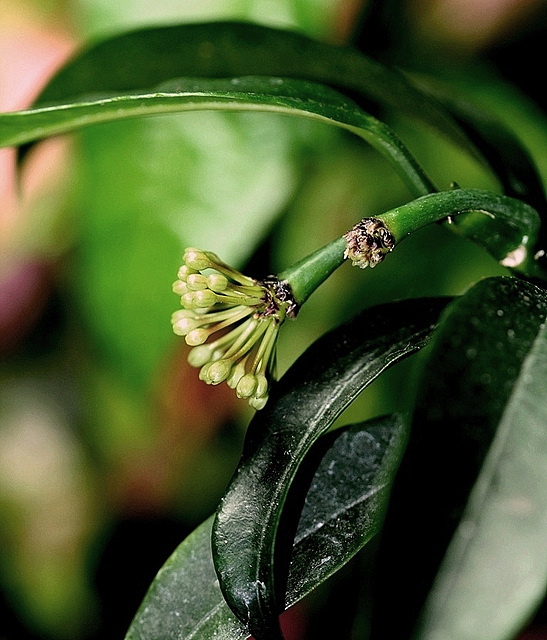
{"x":110,"y":450}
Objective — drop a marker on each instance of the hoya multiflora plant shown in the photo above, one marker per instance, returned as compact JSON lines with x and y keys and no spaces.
{"x":462,"y":552}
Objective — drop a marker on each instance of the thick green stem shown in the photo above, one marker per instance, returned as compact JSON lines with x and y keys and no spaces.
{"x":407,"y":218}
{"x":512,"y":248}
{"x":306,"y":275}
{"x":369,"y":241}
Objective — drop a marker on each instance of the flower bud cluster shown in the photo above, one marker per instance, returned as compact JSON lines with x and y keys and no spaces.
{"x":231,"y":321}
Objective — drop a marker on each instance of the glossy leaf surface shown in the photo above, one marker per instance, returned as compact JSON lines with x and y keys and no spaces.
{"x":479,"y":357}
{"x":345,"y":501}
{"x":495,"y":572}
{"x":302,"y":407}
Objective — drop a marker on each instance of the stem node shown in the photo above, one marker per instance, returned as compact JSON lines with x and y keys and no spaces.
{"x":368,"y":242}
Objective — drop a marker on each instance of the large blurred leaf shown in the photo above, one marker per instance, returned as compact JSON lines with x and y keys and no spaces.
{"x":344,"y":503}
{"x":476,"y":376}
{"x":303,"y":406}
{"x":152,"y":187}
{"x":315,"y":17}
{"x":495,"y":570}
{"x":510,"y":159}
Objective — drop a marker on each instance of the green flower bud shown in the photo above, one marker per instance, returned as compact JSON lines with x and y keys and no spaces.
{"x":218,"y":371}
{"x":196,"y":282}
{"x":196,"y":259}
{"x":182,"y":313}
{"x":261,"y":386}
{"x":200,"y":355}
{"x":180,"y":287}
{"x":196,"y":337}
{"x":187,"y":300}
{"x":217,"y":282}
{"x":237,"y":373}
{"x":204,"y":298}
{"x":185,"y":325}
{"x":258,"y":403}
{"x":246,"y":386}
{"x":204,"y":372}
{"x":184,"y":272}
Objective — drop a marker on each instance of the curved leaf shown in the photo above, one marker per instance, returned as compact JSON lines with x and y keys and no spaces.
{"x":343,"y":507}
{"x":247,"y":527}
{"x":147,"y":57}
{"x":277,"y":95}
{"x":495,"y":572}
{"x":478,"y":360}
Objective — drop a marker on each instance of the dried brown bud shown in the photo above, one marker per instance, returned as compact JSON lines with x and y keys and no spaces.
{"x":368,"y":242}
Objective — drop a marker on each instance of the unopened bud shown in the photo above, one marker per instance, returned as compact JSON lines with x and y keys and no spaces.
{"x":179,"y":287}
{"x":258,"y":403}
{"x":196,"y":259}
{"x":218,"y":371}
{"x":246,"y":386}
{"x":261,"y":386}
{"x":185,"y":325}
{"x":199,"y":355}
{"x":196,"y":337}
{"x":217,"y":282}
{"x":204,"y":298}
{"x":187,"y":300}
{"x":196,"y":282}
{"x":237,"y":373}
{"x":184,"y":272}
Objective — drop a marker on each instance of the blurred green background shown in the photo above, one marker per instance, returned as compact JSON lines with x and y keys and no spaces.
{"x":111,"y":450}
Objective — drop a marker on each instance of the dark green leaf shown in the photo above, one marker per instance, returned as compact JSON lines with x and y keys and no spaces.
{"x":145,"y":58}
{"x":302,"y":407}
{"x":495,"y":572}
{"x":344,"y":508}
{"x":480,"y":356}
{"x":345,"y":502}
{"x":274,"y":95}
